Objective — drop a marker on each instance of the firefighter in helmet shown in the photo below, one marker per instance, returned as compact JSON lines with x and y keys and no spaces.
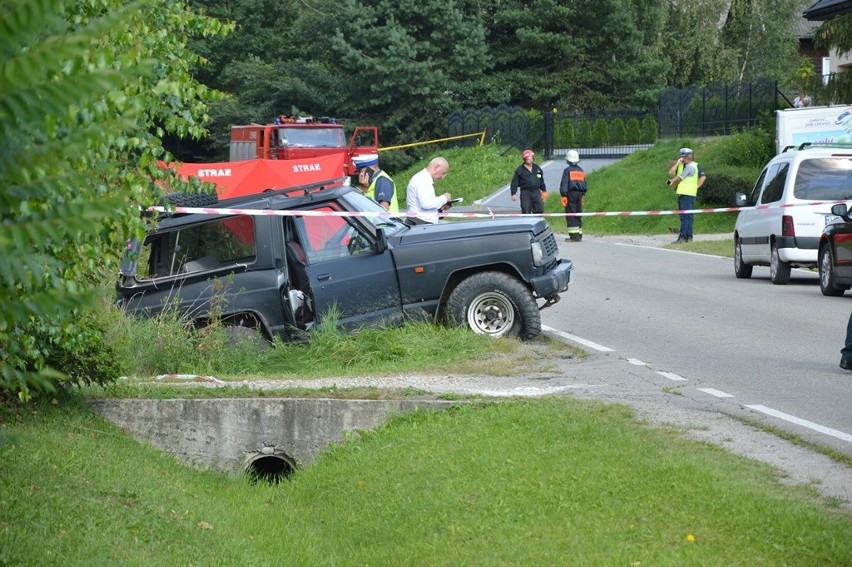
{"x":572,"y":188}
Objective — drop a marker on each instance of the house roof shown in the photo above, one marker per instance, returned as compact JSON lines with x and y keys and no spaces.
{"x":826,"y":9}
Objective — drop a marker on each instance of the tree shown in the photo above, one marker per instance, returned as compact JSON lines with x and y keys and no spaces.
{"x":84,"y":96}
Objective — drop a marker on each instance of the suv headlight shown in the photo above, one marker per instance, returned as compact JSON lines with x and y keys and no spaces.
{"x":537,"y":253}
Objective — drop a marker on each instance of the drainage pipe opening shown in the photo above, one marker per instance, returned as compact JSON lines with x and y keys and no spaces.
{"x":270,"y":468}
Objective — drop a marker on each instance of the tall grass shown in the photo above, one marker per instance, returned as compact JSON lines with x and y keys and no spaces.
{"x":550,"y":482}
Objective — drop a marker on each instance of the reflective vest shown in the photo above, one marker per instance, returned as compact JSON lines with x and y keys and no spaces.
{"x":371,"y":191}
{"x":689,"y":185}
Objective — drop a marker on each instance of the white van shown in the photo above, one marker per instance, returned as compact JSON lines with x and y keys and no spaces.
{"x":792,"y":202}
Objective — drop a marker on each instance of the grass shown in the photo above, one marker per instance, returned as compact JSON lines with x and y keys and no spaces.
{"x":723,"y":247}
{"x":798,"y":440}
{"x":637,"y":183}
{"x":474,"y":173}
{"x":555,"y":481}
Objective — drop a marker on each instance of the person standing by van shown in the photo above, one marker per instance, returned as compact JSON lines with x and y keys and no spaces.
{"x":684,"y":178}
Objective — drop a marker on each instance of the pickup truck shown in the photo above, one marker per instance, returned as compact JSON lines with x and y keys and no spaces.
{"x":281,"y":262}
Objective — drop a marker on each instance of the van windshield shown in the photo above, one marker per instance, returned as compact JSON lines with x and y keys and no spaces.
{"x":824,"y":179}
{"x":311,"y":137}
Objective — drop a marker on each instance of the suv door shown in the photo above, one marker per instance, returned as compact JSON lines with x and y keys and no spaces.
{"x":347,"y":272}
{"x":763,"y":223}
{"x":746,"y":219}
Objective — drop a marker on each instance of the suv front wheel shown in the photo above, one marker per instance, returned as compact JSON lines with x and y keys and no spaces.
{"x":494,"y":304}
{"x":779,"y":271}
{"x":741,"y":269}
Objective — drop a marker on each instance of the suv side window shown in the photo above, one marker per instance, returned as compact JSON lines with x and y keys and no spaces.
{"x":329,"y":237}
{"x":824,"y":179}
{"x":210,"y":245}
{"x":755,"y":192}
{"x":776,"y":180}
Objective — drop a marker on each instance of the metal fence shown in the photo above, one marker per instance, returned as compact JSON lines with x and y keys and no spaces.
{"x":690,"y":111}
{"x":715,"y":109}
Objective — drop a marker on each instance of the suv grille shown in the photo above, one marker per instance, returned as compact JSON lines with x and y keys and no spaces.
{"x":548,"y":245}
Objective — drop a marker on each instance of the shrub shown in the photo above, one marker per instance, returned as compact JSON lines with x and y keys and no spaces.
{"x":633,"y":134}
{"x":601,"y":133}
{"x":750,"y":148}
{"x":649,"y":129}
{"x":585,"y":137}
{"x":617,"y":132}
{"x":564,"y":134}
{"x":719,"y":190}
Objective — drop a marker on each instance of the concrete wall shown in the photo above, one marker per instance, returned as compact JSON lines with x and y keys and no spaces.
{"x":227,"y":433}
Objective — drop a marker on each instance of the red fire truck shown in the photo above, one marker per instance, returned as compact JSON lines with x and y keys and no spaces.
{"x":291,"y":152}
{"x":300,"y":137}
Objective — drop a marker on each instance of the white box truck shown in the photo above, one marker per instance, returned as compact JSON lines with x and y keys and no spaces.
{"x":813,"y":124}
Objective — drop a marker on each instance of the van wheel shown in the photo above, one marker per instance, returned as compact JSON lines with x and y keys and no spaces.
{"x":827,"y":277}
{"x":494,"y":304}
{"x":741,"y":269}
{"x":779,"y":271}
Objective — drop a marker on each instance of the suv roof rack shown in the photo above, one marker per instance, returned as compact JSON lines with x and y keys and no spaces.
{"x":299,"y":190}
{"x":807,"y":145}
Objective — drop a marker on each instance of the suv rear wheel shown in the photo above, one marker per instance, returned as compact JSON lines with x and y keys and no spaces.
{"x":741,"y":269}
{"x":827,"y":281}
{"x":494,"y":304}
{"x":779,"y":271}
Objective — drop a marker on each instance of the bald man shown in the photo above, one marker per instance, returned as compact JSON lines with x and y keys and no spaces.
{"x":420,"y":193}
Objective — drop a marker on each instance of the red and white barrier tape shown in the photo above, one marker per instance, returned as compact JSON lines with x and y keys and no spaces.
{"x":483,"y":214}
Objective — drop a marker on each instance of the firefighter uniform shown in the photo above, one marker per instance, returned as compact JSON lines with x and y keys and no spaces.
{"x":530,"y":183}
{"x":573,"y":188}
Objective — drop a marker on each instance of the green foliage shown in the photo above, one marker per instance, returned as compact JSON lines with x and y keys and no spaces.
{"x":85,"y":93}
{"x":600,"y":134}
{"x":617,"y":132}
{"x":650,"y":128}
{"x":586,"y":137}
{"x":835,"y":33}
{"x":563,"y":135}
{"x":719,"y":190}
{"x":633,"y":134}
{"x":751,"y":148}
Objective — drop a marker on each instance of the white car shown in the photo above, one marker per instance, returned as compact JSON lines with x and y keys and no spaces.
{"x":792,"y":202}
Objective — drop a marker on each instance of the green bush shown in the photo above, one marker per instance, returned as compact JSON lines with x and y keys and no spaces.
{"x":585,"y":138}
{"x":601,"y":133}
{"x":564,"y":133}
{"x":633,"y":134}
{"x":751,"y":148}
{"x":649,"y":129}
{"x":719,"y":190}
{"x":617,"y":132}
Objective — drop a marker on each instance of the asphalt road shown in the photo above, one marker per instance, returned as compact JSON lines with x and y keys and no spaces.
{"x":739,"y":347}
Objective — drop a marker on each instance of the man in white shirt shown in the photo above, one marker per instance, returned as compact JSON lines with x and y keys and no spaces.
{"x":420,"y":193}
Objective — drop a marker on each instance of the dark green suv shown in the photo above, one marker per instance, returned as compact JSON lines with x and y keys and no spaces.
{"x":279,"y":262}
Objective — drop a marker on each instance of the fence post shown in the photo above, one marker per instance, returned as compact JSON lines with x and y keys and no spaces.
{"x":703,"y":107}
{"x":548,"y":134}
{"x":750,"y":85}
{"x":725,"y":122}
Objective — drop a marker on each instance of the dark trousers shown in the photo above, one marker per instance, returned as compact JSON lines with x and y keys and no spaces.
{"x":846,"y":351}
{"x":531,"y":201}
{"x":575,"y":224}
{"x":684,"y":203}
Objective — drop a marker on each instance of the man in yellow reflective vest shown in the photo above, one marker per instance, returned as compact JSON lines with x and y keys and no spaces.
{"x":684,"y":178}
{"x":376,"y":184}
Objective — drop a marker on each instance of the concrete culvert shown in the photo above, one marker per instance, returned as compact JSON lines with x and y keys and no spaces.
{"x":270,"y":468}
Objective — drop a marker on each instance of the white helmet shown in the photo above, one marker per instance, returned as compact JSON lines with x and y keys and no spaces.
{"x":573,"y":156}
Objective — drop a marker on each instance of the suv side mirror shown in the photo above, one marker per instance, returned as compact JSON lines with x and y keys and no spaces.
{"x":841,"y":210}
{"x":741,"y":199}
{"x":381,"y":241}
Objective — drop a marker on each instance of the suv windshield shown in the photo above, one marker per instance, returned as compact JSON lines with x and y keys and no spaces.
{"x":824,"y":179}
{"x":357,"y":201}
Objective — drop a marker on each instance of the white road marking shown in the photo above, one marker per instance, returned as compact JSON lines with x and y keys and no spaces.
{"x":670,"y":250}
{"x":636,"y":362}
{"x":494,"y":195}
{"x":577,"y":339}
{"x":802,"y":422}
{"x":714,"y":392}
{"x":672,"y":376}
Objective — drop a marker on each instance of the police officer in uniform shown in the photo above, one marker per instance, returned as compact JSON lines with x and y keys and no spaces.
{"x":685,"y":180}
{"x":573,"y":188}
{"x":529,"y":180}
{"x":376,"y":184}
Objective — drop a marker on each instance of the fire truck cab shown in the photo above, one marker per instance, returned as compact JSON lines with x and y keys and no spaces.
{"x":291,"y":137}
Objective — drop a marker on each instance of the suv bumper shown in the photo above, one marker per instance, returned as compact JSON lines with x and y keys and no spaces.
{"x":555,"y":281}
{"x":797,"y":249}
